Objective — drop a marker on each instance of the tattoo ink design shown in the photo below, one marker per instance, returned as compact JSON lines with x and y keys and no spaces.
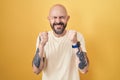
{"x":37,"y":59}
{"x":81,"y":56}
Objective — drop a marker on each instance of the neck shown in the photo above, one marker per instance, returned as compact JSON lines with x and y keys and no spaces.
{"x":60,"y":35}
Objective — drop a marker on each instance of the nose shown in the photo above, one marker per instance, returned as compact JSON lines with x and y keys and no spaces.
{"x":58,"y":20}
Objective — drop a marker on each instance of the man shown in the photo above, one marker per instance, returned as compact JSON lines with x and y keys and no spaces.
{"x":60,"y":53}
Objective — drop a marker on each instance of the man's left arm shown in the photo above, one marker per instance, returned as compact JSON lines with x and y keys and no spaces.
{"x":82,"y":58}
{"x":78,"y":46}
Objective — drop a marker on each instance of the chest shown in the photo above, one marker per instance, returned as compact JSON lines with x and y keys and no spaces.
{"x":58,"y":48}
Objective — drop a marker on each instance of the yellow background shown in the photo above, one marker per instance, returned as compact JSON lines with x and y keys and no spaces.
{"x":22,"y":20}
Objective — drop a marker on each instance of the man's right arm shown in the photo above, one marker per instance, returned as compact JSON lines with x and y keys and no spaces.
{"x":38,"y":60}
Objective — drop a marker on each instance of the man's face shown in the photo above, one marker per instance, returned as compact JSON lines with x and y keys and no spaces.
{"x":58,"y":20}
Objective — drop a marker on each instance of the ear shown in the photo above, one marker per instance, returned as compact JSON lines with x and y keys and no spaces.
{"x":48,"y":18}
{"x":68,"y":17}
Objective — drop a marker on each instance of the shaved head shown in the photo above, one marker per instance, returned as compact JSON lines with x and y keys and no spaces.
{"x":58,"y":8}
{"x":58,"y":18}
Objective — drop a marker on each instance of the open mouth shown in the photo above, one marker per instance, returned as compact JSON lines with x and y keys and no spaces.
{"x":58,"y":24}
{"x":59,"y":27}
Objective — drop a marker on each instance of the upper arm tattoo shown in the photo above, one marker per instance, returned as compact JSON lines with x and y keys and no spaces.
{"x":37,"y":59}
{"x":82,"y":57}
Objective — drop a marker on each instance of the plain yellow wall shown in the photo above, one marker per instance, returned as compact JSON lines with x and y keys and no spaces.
{"x":22,"y":20}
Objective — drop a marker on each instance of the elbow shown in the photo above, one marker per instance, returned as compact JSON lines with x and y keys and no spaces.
{"x":36,"y":70}
{"x":84,"y":70}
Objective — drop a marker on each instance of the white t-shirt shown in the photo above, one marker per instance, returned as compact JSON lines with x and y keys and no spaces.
{"x":60,"y":58}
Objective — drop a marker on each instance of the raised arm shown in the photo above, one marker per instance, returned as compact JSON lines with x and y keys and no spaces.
{"x":78,"y":46}
{"x":39,"y":58}
{"x":82,"y":58}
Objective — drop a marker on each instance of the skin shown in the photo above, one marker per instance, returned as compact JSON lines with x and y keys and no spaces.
{"x":58,"y":19}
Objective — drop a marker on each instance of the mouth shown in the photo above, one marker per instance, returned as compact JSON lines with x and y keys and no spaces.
{"x":58,"y":28}
{"x":58,"y":24}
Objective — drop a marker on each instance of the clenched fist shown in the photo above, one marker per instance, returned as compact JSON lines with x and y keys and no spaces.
{"x":73,"y":36}
{"x":43,"y":38}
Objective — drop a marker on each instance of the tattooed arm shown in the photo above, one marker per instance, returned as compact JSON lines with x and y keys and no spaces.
{"x":79,"y":50}
{"x":38,"y":60}
{"x":82,"y":58}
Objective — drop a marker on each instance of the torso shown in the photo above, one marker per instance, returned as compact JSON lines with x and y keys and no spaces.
{"x":60,"y":59}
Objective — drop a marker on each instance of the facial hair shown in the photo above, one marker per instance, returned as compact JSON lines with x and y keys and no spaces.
{"x":58,"y":31}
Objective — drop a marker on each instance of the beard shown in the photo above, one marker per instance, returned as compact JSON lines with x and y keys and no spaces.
{"x":59,"y":30}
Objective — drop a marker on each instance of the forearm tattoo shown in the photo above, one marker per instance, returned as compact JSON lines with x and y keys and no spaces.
{"x":82,"y":57}
{"x":37,"y":59}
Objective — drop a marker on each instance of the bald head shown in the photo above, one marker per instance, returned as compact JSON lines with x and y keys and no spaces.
{"x":58,"y":9}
